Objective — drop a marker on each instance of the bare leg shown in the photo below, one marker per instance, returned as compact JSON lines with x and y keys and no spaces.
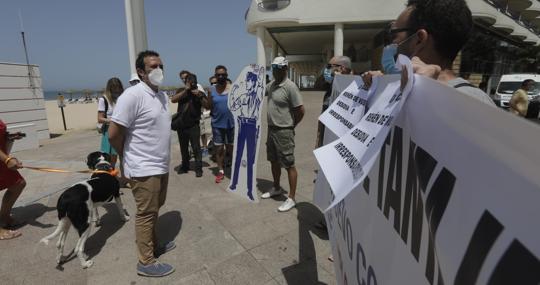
{"x":220,"y":154}
{"x":8,"y":200}
{"x":293,"y":176}
{"x":276,"y":173}
{"x":114,"y":158}
{"x":204,"y":141}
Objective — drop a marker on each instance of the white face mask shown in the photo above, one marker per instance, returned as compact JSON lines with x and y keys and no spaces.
{"x":156,"y":76}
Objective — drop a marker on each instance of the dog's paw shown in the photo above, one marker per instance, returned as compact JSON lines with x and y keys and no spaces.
{"x":44,"y":241}
{"x":87,"y":264}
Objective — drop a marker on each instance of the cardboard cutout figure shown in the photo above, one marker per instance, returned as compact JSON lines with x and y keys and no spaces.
{"x":245,"y":103}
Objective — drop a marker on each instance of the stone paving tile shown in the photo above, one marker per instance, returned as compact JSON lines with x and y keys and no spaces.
{"x":198,"y":278}
{"x":305,"y":273}
{"x":261,"y":232}
{"x":276,"y":255}
{"x":238,"y":270}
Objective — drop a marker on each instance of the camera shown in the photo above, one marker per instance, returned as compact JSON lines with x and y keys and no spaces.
{"x":192,"y":79}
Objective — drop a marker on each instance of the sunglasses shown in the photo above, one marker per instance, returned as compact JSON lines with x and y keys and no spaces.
{"x":330,"y":65}
{"x":221,"y":75}
{"x":278,"y":66}
{"x":392,"y":32}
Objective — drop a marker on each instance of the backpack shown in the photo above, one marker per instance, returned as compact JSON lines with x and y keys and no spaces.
{"x":101,"y":128}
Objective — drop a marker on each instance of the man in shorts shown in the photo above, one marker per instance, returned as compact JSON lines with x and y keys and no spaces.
{"x":285,"y":111}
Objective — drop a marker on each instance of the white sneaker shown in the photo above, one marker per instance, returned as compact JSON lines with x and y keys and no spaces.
{"x":287,"y":205}
{"x":272,"y":193}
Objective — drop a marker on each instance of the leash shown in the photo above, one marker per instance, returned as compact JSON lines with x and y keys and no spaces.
{"x":113,"y":172}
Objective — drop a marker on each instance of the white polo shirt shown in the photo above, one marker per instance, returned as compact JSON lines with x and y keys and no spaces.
{"x":145,"y":115}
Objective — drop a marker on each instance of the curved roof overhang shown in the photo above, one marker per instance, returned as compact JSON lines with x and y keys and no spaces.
{"x":531,"y":39}
{"x":520,"y":33}
{"x":532,"y":12}
{"x":519,"y":5}
{"x":483,"y":11}
{"x":505,"y":24}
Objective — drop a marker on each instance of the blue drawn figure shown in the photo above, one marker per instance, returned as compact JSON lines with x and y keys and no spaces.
{"x":247,"y":107}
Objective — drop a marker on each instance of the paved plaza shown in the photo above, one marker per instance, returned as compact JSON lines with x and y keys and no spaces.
{"x":221,"y":238}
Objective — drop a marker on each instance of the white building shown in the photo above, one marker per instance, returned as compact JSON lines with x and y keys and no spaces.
{"x":22,"y":106}
{"x":310,"y":32}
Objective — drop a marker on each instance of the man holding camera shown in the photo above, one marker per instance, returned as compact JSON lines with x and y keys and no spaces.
{"x":190,"y":100}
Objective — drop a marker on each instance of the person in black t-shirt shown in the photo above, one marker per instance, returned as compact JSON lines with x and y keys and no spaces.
{"x":190,"y":100}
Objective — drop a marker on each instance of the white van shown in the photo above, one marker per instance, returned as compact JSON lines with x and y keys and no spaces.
{"x":510,"y":83}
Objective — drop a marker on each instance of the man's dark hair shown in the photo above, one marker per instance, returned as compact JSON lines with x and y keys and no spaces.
{"x":526,"y":81}
{"x":184,"y":72}
{"x":139,"y":63}
{"x":449,"y":22}
{"x":220,"y":67}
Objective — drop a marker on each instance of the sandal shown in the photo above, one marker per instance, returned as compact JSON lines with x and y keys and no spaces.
{"x":6,"y":234}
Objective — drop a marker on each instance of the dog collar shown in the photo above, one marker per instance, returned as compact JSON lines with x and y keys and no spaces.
{"x":112,"y":172}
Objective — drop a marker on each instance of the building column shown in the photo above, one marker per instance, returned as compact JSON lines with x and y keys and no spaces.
{"x":274,"y":52}
{"x":338,"y":39}
{"x":261,"y":55}
{"x":136,"y":30}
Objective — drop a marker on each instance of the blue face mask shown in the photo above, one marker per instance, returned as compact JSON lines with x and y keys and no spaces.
{"x":387,"y":60}
{"x":328,"y":77}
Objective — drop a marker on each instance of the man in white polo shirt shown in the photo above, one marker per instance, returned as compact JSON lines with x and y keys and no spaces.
{"x":140,"y":131}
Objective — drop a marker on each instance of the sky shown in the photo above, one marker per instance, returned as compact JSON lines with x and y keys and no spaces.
{"x":81,"y":44}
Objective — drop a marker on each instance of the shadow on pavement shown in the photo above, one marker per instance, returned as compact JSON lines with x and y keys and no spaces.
{"x":30,"y":213}
{"x":168,"y":226}
{"x":111,"y":222}
{"x":265,"y":185}
{"x":306,"y":271}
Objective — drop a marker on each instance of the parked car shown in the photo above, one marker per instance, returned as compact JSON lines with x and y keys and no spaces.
{"x":509,"y":83}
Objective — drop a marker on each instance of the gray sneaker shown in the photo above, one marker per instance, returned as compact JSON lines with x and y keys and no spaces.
{"x":155,"y":269}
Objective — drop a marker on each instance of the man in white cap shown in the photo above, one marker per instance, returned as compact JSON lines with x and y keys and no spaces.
{"x":134,"y":80}
{"x":285,"y":111}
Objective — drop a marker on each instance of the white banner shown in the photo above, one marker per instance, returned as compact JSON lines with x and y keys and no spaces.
{"x":348,"y":108}
{"x":345,"y":162}
{"x":245,"y":103}
{"x":452,"y":198}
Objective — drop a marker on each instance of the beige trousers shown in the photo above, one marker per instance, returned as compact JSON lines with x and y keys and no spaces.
{"x":149,"y":193}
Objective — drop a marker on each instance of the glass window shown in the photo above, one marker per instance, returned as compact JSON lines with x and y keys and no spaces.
{"x":509,"y":87}
{"x":272,"y":5}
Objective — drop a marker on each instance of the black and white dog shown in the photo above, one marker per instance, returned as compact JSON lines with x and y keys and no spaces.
{"x":77,"y":206}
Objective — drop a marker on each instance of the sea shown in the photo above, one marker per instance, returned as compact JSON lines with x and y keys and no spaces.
{"x":52,"y":95}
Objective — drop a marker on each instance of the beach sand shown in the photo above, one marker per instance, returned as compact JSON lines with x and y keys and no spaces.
{"x":78,"y":116}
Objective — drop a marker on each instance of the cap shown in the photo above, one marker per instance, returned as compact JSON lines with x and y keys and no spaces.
{"x":134,"y":76}
{"x":280,"y":61}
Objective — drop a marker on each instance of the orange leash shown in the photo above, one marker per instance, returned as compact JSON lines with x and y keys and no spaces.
{"x":113,"y":172}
